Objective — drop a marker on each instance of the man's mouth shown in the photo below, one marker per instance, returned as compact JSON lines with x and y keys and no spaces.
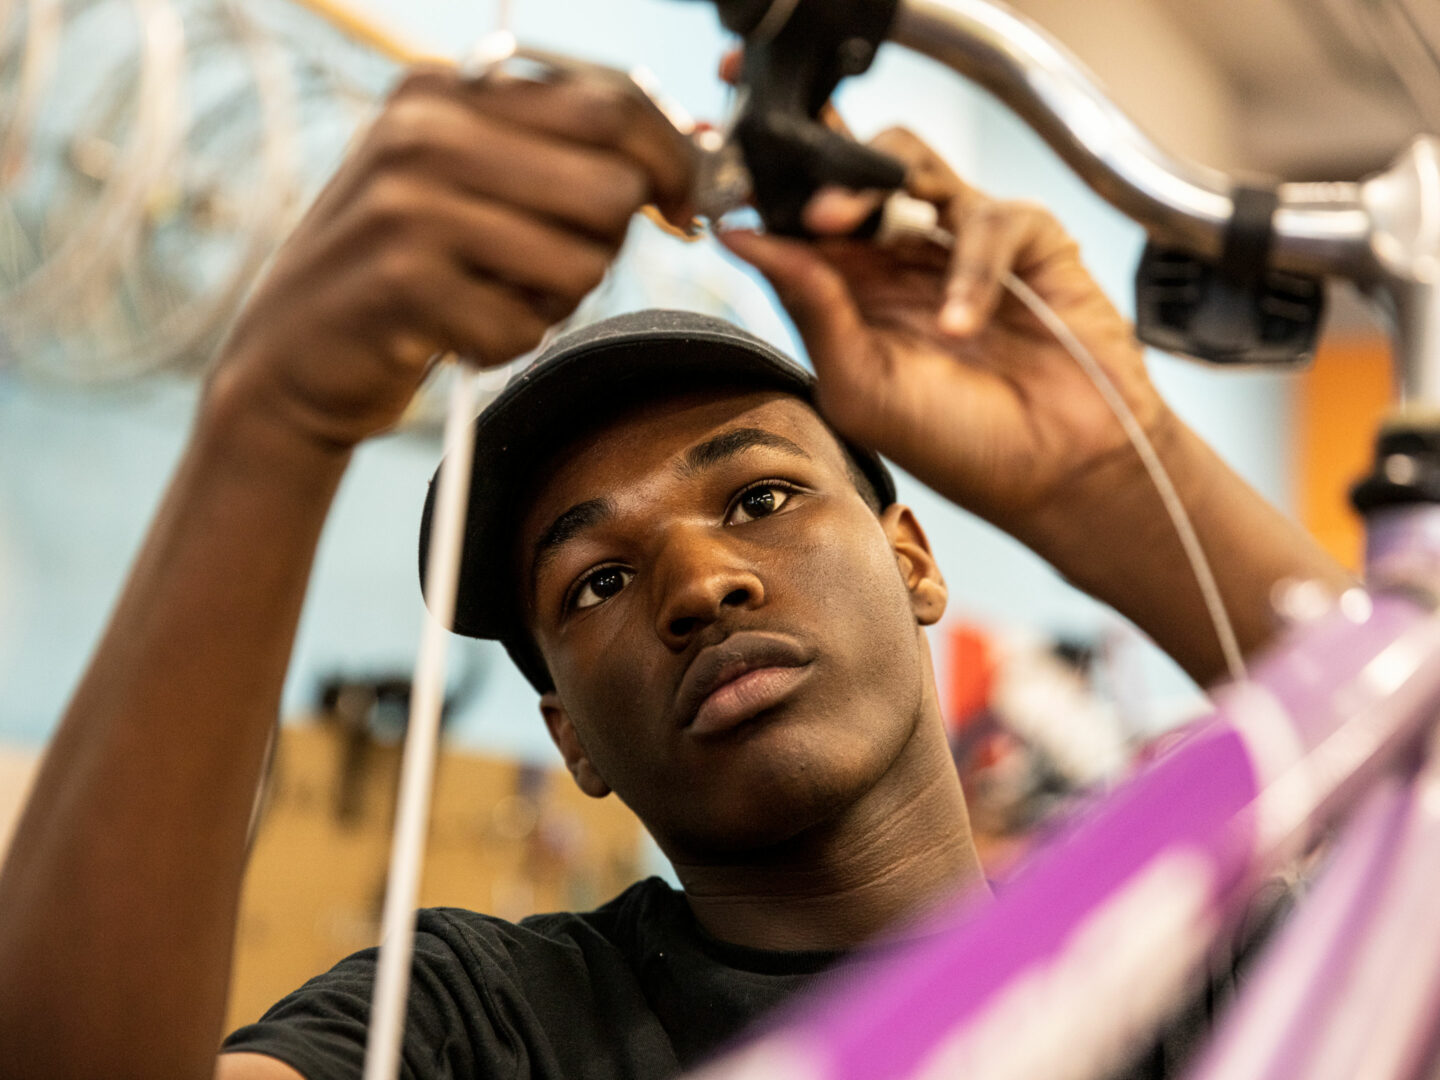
{"x":738,"y":678}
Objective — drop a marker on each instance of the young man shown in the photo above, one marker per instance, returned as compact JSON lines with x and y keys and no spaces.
{"x":727,"y":624}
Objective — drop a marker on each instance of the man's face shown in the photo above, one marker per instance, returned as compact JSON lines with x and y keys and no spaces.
{"x":728,"y":624}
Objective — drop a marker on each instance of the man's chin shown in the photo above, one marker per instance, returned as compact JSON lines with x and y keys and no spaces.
{"x":768,"y":814}
{"x":781,"y":778}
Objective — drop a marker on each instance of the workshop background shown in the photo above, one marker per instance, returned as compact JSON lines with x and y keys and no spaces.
{"x":122,"y":256}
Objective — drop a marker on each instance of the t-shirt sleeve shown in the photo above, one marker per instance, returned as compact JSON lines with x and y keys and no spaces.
{"x":451,"y":1027}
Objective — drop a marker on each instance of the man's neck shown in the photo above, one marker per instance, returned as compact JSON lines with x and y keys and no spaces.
{"x":877,"y":868}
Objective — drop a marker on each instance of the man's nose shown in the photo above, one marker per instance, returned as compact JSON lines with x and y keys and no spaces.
{"x":702,"y":577}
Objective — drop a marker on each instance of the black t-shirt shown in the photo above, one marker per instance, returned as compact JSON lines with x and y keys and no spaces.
{"x":635,"y":990}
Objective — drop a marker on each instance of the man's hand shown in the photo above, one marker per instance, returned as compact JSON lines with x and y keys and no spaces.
{"x":474,"y":215}
{"x":923,"y":356}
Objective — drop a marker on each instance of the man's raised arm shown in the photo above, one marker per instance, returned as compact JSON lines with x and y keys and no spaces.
{"x":471,"y":217}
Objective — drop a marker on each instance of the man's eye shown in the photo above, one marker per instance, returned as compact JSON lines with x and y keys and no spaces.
{"x":760,"y":501}
{"x":600,"y":586}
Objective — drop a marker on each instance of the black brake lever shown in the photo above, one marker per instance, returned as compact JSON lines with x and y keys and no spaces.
{"x":796,"y":53}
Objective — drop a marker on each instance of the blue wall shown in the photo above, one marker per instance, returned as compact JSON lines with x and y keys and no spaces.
{"x":80,"y":473}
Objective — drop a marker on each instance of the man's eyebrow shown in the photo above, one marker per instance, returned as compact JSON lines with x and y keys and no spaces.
{"x":566,"y":527}
{"x":727,"y":444}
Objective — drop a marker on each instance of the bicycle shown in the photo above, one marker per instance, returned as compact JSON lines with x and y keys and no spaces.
{"x":1334,"y":723}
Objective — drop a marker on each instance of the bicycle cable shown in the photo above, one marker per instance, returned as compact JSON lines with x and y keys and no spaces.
{"x":903,"y":216}
{"x":1154,"y":468}
{"x":386,"y":1029}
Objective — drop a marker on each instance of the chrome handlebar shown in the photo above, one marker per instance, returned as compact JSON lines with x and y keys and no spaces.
{"x":1383,"y":233}
{"x":1318,"y":228}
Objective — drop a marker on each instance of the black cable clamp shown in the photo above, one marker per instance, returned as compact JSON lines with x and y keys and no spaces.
{"x":1406,"y":471}
{"x":1234,"y":310}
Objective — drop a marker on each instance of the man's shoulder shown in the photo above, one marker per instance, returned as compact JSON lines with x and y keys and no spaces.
{"x":620,"y":923}
{"x":486,"y":992}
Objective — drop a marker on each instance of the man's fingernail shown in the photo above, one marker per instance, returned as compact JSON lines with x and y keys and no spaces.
{"x":826,"y":209}
{"x":957,"y":317}
{"x":835,"y":208}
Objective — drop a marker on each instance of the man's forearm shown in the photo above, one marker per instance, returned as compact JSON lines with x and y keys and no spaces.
{"x":120,"y":892}
{"x":1121,"y":547}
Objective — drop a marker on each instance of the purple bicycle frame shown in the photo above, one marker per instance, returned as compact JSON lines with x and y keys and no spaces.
{"x":1108,"y":925}
{"x":1102,"y":932}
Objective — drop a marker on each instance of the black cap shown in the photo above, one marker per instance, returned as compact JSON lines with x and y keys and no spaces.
{"x":583,"y":376}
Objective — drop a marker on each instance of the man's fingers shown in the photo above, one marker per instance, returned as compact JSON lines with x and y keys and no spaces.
{"x":437,"y":140}
{"x":485,"y":320}
{"x":992,"y":238}
{"x":730,"y":65}
{"x":991,"y":241}
{"x":831,"y":118}
{"x":814,"y":294}
{"x":839,"y":212}
{"x":927,"y":176}
{"x":904,"y":144}
{"x":495,"y":240}
{"x":610,"y":117}
{"x":581,"y":110}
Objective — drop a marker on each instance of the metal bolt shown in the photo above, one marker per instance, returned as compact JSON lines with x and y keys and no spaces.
{"x":1300,"y":601}
{"x":1400,"y":469}
{"x":855,"y":55}
{"x":1356,"y":605}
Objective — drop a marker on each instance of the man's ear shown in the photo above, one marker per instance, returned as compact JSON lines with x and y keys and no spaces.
{"x":562,"y":732}
{"x":918,"y":568}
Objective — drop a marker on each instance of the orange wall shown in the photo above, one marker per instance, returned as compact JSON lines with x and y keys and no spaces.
{"x":1339,"y":402}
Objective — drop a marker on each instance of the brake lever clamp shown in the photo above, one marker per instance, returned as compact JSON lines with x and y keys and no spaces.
{"x":796,"y":53}
{"x":722,"y":181}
